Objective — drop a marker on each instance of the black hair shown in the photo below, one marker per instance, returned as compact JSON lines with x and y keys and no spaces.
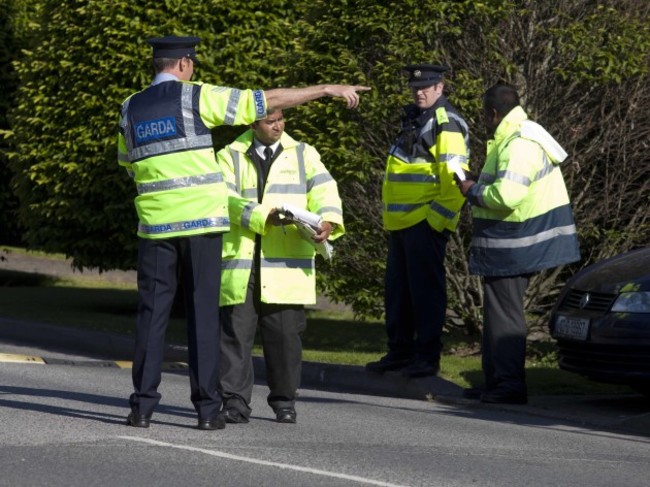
{"x":502,"y":97}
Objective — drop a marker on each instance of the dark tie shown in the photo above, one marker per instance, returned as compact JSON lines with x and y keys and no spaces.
{"x":268,"y":155}
{"x":266,"y":163}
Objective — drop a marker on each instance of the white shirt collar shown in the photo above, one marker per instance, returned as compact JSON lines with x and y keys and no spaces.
{"x":259,"y":147}
{"x":162,"y":77}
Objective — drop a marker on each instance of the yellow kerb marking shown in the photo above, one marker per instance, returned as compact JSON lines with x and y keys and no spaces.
{"x":10,"y":357}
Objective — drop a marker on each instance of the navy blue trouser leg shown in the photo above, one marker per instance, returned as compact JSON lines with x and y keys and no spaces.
{"x":416,"y":294}
{"x":156,"y":288}
{"x":199,"y":258}
{"x":201,"y":274}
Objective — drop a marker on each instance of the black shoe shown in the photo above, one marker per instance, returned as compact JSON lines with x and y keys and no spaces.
{"x":503,"y":396}
{"x":233,"y":415}
{"x":386,"y":364}
{"x":421,"y":368}
{"x":138,"y":420}
{"x":473,"y":392}
{"x":217,"y":422}
{"x":285,"y":415}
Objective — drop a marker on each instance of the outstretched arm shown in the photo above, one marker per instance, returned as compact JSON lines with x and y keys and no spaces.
{"x":279,"y":98}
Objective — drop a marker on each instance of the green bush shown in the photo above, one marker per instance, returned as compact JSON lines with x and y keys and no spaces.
{"x":582,"y":70}
{"x":12,"y":22}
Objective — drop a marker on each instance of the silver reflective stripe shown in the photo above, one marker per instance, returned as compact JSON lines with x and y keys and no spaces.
{"x":394,"y":207}
{"x":248,"y":193}
{"x":231,"y":111}
{"x":287,"y":263}
{"x":514,"y":177}
{"x":515,"y":243}
{"x":397,"y":152}
{"x":232,"y":264}
{"x":319,"y":179}
{"x":168,"y":146}
{"x":247,"y":213}
{"x":330,"y":209}
{"x":188,"y":113}
{"x":235,"y":166}
{"x":121,"y":156}
{"x":301,"y":186}
{"x":412,"y":178}
{"x":126,"y":128}
{"x":302,"y":172}
{"x":231,"y":186}
{"x":461,"y":159}
{"x":183,"y":225}
{"x":286,"y":188}
{"x":441,"y":210}
{"x":215,"y":177}
{"x":546,"y":170}
{"x":464,"y":126}
{"x":427,"y":133}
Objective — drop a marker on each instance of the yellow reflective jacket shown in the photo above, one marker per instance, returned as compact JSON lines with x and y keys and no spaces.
{"x":298,"y":177}
{"x":522,"y":220}
{"x":166,"y":145}
{"x":419,"y":181}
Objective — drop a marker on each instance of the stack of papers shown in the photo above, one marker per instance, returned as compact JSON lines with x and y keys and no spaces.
{"x":308,"y":225}
{"x":454,"y":165}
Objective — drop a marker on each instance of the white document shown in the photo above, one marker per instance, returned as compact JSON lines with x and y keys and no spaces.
{"x":454,"y":165}
{"x":308,"y":225}
{"x":304,"y":216}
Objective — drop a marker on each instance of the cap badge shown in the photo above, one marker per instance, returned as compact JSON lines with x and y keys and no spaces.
{"x":417,"y":73}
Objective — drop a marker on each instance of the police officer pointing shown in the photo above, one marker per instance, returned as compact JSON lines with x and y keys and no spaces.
{"x":165,"y":144}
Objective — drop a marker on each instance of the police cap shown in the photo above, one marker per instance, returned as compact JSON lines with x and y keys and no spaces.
{"x":173,"y":47}
{"x":425,"y":74}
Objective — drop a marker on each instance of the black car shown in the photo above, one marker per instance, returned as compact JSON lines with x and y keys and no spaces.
{"x":602,"y":321}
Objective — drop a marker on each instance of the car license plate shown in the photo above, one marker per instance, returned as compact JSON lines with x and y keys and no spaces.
{"x":570,"y":327}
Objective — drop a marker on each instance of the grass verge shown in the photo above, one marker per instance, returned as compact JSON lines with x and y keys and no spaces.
{"x":330,"y":337}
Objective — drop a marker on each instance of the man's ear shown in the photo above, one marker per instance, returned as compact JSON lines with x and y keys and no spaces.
{"x":494,"y":116}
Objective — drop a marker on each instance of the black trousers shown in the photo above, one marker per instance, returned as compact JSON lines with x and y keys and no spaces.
{"x":504,"y":332}
{"x":281,"y":328}
{"x":416,"y":293}
{"x":199,"y":260}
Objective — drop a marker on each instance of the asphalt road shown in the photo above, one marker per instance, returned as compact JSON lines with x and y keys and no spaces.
{"x":62,"y":425}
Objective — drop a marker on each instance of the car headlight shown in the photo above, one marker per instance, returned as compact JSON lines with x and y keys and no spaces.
{"x":636,"y":302}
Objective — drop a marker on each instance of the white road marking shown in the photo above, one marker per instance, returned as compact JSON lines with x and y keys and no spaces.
{"x":219,"y":454}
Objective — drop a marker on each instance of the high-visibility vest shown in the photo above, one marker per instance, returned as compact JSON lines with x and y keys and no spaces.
{"x":419,"y":180}
{"x":166,"y":145}
{"x":522,"y":220}
{"x":287,"y":269}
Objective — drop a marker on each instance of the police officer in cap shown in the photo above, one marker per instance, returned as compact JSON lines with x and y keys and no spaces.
{"x":421,"y":206}
{"x":165,"y":144}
